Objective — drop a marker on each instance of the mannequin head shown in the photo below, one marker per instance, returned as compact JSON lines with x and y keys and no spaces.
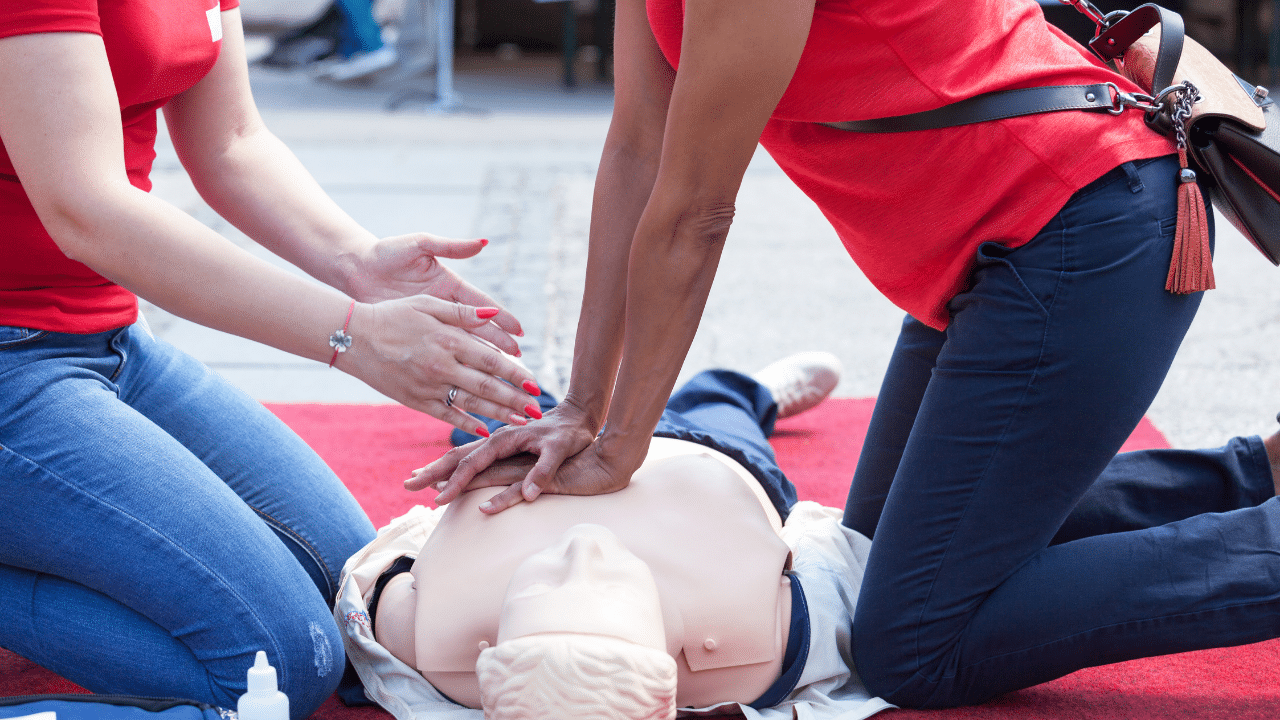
{"x":581,"y":636}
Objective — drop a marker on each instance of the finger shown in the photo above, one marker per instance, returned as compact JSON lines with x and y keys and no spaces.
{"x":467,"y":293}
{"x":489,"y":396}
{"x":498,"y":337}
{"x":475,"y":462}
{"x":539,"y":478}
{"x":439,"y":469}
{"x":449,"y":247}
{"x":503,"y":500}
{"x":491,"y":365}
{"x":457,"y":314}
{"x":455,"y":416}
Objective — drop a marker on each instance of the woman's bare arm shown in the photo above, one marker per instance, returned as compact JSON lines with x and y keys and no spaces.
{"x":60,"y":121}
{"x":737,"y":59}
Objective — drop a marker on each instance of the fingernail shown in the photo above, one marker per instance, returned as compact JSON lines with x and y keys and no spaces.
{"x":483,"y":242}
{"x":531,"y":492}
{"x":482,"y":431}
{"x":440,"y":485}
{"x":486,"y":313}
{"x":518,"y":353}
{"x":532,"y":388}
{"x":532,"y":411}
{"x":486,"y":505}
{"x":515,"y":419}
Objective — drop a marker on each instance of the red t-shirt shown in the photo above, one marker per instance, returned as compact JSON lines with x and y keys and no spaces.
{"x":157,"y":49}
{"x":912,"y":208}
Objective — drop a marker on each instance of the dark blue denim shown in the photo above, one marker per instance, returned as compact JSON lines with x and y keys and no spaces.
{"x":723,"y":410}
{"x":160,"y":526}
{"x":986,"y":438}
{"x":359,"y":31}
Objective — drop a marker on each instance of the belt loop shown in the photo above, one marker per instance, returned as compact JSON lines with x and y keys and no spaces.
{"x":1135,"y":180}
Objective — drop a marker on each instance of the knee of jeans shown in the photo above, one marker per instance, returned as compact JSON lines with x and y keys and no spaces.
{"x":314,"y":667}
{"x":308,"y":658}
{"x":890,"y":669}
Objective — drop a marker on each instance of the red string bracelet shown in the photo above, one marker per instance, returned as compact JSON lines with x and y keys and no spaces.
{"x":340,"y":340}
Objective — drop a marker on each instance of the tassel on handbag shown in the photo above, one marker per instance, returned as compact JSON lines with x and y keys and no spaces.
{"x":1219,"y":122}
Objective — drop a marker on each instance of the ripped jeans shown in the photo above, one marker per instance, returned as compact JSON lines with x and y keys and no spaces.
{"x":160,"y":526}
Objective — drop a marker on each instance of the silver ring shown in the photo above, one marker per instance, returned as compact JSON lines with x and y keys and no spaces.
{"x":453,"y":392}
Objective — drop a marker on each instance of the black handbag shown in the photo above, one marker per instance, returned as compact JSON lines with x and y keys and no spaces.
{"x":1224,"y":127}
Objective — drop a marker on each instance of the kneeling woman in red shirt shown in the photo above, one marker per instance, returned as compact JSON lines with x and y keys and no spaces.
{"x":160,"y":526}
{"x":1031,"y":256}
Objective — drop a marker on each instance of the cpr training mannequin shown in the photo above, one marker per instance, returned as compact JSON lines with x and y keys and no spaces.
{"x":687,"y":573}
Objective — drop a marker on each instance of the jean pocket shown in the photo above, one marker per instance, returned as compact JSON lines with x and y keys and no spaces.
{"x":1001,"y":278}
{"x":11,"y":337}
{"x":1168,"y":226}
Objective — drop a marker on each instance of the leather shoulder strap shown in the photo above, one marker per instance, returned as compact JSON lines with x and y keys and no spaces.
{"x":1109,"y":44}
{"x":990,"y":106}
{"x":1112,"y":42}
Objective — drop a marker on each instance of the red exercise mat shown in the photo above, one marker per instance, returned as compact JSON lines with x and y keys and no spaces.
{"x":374,"y":447}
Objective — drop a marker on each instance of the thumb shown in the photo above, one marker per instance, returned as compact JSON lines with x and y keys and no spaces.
{"x":450,"y":248}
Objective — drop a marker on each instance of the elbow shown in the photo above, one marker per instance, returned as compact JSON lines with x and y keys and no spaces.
{"x":705,"y":224}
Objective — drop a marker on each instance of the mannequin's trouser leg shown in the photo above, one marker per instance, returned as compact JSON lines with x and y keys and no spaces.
{"x":731,"y":412}
{"x":1050,"y":361}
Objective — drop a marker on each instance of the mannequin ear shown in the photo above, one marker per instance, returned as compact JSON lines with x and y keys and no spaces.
{"x":397,"y":617}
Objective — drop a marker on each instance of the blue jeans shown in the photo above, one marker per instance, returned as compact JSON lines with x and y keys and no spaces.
{"x":996,"y":439}
{"x":160,"y":526}
{"x":359,"y":32}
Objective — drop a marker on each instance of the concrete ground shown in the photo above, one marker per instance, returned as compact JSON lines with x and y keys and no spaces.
{"x":516,"y":165}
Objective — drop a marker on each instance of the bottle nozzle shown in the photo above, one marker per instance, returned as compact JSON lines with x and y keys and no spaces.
{"x":262,"y":677}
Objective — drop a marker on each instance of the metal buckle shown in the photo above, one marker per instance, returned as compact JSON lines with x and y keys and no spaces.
{"x":1121,"y":100}
{"x":1089,"y":9}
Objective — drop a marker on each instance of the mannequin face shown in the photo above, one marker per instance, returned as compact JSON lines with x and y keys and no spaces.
{"x":586,"y":582}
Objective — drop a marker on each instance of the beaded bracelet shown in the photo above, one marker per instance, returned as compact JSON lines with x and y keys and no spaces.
{"x":340,"y":340}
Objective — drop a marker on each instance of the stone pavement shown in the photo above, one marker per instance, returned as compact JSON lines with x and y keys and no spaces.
{"x":516,"y":165}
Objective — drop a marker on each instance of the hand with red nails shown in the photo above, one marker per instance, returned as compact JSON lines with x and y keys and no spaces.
{"x":405,"y":265}
{"x":424,"y":352}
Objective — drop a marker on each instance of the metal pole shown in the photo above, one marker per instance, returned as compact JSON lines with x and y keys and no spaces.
{"x":445,"y":97}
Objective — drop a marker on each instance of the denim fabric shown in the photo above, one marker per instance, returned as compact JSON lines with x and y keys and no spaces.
{"x":359,"y":32}
{"x":160,"y":526}
{"x":722,"y":409}
{"x":732,"y":413}
{"x":984,"y":440}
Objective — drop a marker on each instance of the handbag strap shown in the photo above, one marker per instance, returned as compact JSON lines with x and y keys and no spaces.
{"x":1109,"y":44}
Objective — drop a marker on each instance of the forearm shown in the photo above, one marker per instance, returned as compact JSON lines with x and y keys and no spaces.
{"x":261,"y":187}
{"x":174,"y":261}
{"x":673,"y":263}
{"x":623,"y":185}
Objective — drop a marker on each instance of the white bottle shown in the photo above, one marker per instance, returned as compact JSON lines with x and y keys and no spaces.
{"x":263,"y":701}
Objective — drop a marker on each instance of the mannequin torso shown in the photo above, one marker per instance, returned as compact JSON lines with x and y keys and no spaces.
{"x":719,"y":570}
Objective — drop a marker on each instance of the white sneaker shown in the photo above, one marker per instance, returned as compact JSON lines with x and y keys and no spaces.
{"x":360,"y":65}
{"x":799,"y":382}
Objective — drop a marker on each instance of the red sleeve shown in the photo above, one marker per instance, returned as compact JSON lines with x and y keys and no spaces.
{"x":230,"y":5}
{"x":22,"y":17}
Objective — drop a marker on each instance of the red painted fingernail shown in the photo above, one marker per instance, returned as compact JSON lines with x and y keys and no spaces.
{"x":483,"y":242}
{"x":482,"y":431}
{"x":532,"y":388}
{"x":532,"y":411}
{"x":486,"y":313}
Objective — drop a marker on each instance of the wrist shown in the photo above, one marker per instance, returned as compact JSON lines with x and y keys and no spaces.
{"x":623,"y":451}
{"x":354,"y":331}
{"x":350,"y":269}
